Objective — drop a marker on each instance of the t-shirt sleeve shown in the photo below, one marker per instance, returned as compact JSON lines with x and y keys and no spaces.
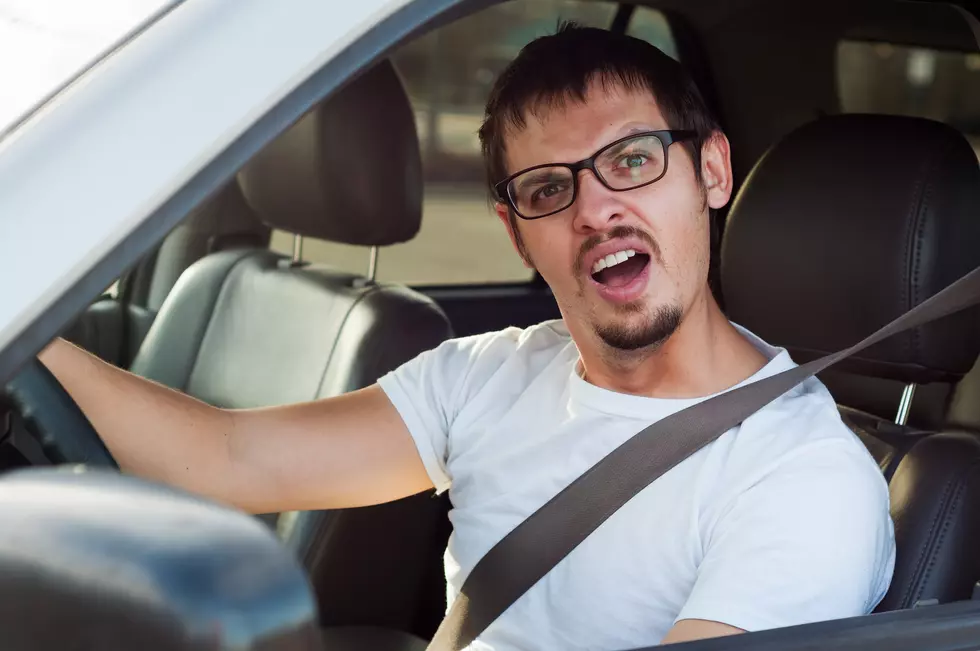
{"x":810,"y":541}
{"x":429,"y":391}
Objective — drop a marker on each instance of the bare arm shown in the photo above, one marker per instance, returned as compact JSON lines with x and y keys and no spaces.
{"x":687,"y":630}
{"x":352,"y":450}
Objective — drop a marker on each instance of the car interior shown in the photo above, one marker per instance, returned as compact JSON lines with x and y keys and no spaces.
{"x":855,"y":131}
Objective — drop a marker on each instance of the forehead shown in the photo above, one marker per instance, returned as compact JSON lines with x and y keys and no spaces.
{"x":576,"y":129}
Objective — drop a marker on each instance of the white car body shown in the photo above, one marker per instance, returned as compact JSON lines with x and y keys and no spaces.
{"x":103,"y":170}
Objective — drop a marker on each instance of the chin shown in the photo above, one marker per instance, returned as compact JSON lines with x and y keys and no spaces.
{"x":639,"y":332}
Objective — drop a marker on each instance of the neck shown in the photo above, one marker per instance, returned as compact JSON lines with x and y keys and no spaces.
{"x":705,"y":355}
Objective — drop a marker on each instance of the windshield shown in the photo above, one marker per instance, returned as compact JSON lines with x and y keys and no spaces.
{"x":44,"y":43}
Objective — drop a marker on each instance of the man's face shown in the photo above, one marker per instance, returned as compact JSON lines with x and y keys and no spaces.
{"x":662,"y":227}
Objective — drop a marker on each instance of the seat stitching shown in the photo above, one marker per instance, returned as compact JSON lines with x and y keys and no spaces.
{"x":924,"y":550}
{"x":954,"y":506}
{"x":925,"y":198}
{"x":323,"y":526}
{"x":917,"y":263}
{"x":928,"y":557}
{"x":914,"y":241}
{"x":340,"y":329}
{"x":904,"y":296}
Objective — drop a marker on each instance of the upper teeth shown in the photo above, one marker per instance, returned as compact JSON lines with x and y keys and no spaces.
{"x":612,"y":260}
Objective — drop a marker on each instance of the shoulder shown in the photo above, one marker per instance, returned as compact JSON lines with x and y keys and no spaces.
{"x":801,"y":421}
{"x":477,"y":375}
{"x":800,"y":436}
{"x":797,"y":456}
{"x":545,"y":335}
{"x":806,"y":416}
{"x":491,"y":350}
{"x":499,"y":361}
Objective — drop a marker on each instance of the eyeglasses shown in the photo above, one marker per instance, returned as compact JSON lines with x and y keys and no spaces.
{"x":626,"y":164}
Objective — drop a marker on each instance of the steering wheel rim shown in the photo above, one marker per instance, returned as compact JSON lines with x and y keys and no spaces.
{"x":55,"y":419}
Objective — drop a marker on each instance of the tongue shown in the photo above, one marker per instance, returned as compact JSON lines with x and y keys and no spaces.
{"x":622,"y":273}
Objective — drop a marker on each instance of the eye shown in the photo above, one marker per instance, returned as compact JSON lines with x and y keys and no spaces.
{"x":547,"y":191}
{"x":633,"y":160}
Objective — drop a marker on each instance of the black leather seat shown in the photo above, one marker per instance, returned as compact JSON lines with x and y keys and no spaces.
{"x":113,"y":328}
{"x":250,"y":328}
{"x":841,"y":227}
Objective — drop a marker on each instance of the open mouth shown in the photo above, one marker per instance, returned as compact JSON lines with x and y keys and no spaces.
{"x":619,"y":269}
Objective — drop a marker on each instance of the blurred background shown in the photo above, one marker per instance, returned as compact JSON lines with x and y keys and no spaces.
{"x":448,"y":75}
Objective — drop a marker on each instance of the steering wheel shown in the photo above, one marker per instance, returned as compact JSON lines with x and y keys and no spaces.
{"x":54,"y":420}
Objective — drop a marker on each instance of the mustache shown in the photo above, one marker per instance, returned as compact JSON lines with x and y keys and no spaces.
{"x":620,"y":232}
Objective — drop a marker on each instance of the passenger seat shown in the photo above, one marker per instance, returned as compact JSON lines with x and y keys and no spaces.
{"x":113,"y":327}
{"x":840,"y":228}
{"x":252,"y":328}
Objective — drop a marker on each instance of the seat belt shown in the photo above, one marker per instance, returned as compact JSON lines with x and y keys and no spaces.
{"x":522,"y":557}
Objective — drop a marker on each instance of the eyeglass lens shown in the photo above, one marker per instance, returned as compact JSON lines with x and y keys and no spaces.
{"x":623,"y":166}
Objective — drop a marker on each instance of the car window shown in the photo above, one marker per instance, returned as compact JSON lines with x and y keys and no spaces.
{"x":652,"y":26}
{"x":916,"y":81}
{"x":46,"y":42}
{"x":448,"y":74}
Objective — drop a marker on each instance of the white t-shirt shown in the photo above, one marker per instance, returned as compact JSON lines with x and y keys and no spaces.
{"x":783,"y":520}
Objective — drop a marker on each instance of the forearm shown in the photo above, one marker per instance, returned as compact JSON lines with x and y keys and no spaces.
{"x":351,"y":450}
{"x":151,"y":430}
{"x":688,"y":630}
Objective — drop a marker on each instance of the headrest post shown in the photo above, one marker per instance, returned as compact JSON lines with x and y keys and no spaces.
{"x":297,"y":249}
{"x":372,"y":271}
{"x":905,"y":405}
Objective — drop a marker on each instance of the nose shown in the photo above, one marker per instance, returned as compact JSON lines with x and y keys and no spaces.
{"x":597,"y":208}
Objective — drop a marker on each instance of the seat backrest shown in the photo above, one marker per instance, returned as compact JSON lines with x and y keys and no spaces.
{"x":840,"y":228}
{"x":114,"y":326}
{"x":251,"y":328}
{"x":244,"y":328}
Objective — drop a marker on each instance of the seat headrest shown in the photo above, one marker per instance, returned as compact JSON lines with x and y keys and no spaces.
{"x":349,"y":171}
{"x":846,"y":224}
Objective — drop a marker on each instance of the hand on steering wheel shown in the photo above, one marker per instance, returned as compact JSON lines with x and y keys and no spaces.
{"x":55,"y":420}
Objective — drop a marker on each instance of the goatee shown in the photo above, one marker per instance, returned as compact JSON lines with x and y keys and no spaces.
{"x":649,"y":335}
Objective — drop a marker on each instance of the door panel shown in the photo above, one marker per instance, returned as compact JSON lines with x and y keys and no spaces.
{"x":949,"y":627}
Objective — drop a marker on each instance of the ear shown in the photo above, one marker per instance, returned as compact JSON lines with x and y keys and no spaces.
{"x":503,"y":213}
{"x":716,"y":170}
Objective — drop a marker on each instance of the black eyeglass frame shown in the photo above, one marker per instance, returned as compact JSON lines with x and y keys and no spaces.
{"x":667,"y":137}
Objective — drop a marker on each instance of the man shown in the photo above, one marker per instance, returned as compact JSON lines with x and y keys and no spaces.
{"x":606,"y":165}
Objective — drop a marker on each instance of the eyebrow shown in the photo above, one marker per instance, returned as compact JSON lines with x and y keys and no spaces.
{"x":540,"y":176}
{"x":635,"y":130}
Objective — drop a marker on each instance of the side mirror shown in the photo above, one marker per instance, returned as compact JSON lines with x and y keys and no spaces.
{"x":99,"y":560}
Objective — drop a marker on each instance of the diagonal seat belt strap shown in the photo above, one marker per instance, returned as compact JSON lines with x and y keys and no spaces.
{"x":527,"y":553}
